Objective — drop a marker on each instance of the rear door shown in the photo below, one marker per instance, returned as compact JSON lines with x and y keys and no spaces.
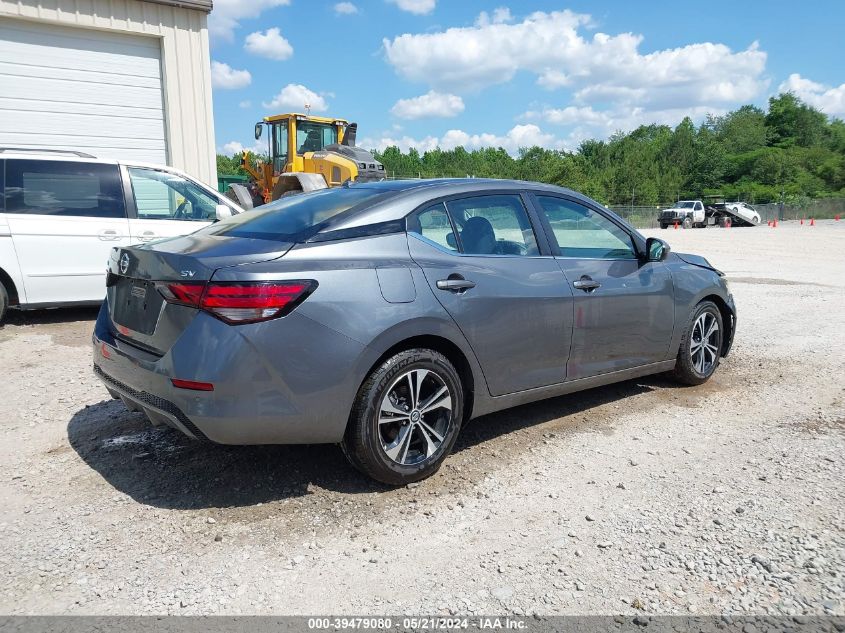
{"x":166,"y":205}
{"x":64,"y":217}
{"x":624,"y":306}
{"x":487,"y":268}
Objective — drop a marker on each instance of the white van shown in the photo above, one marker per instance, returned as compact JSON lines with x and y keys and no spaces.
{"x":62,"y":212}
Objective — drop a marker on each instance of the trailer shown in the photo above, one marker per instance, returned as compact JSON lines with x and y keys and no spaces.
{"x":712,"y":211}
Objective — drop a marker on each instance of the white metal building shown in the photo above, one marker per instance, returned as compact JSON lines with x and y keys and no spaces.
{"x":128,"y":79}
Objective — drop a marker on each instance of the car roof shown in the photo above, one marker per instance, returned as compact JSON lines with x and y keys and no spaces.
{"x":403,"y":196}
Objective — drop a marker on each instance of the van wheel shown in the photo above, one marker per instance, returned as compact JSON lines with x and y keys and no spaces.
{"x":4,"y":302}
{"x":406,"y":418}
{"x":701,"y":345}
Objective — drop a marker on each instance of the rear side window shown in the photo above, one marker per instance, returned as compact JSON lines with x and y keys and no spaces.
{"x":493,"y":225}
{"x":63,"y":188}
{"x":433,"y":224}
{"x":2,"y":191}
{"x":296,"y":217}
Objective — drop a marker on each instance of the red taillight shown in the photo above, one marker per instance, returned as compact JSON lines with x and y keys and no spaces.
{"x":183,"y":294}
{"x":192,"y":384}
{"x":240,"y":302}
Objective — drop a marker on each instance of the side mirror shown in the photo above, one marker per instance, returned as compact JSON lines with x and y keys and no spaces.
{"x":259,"y":130}
{"x":451,"y":241}
{"x":223,"y":211}
{"x":656,"y":249}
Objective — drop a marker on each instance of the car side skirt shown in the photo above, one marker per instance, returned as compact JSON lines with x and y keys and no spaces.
{"x":487,"y":405}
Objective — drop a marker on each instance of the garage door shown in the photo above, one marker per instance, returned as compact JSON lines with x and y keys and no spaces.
{"x":81,"y":89}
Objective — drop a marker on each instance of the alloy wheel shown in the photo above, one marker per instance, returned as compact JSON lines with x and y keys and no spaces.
{"x":415,"y":416}
{"x":705,"y":343}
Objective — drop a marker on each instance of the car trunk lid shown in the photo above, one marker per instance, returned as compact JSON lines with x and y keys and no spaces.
{"x":137,"y":274}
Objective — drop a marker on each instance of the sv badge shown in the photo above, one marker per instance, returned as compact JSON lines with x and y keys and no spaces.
{"x":188,"y":273}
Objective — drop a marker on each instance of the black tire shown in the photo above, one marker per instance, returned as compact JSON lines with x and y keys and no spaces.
{"x":687,"y":370}
{"x":664,"y":226}
{"x":687,"y":223}
{"x":364,"y":441}
{"x":4,"y":302}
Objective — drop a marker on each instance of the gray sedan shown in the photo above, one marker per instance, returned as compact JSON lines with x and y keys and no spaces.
{"x":384,"y":316}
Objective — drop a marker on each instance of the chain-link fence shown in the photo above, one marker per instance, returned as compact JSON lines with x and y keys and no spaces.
{"x":645,"y":217}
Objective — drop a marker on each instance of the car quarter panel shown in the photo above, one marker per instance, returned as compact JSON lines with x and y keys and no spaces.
{"x":350,"y":300}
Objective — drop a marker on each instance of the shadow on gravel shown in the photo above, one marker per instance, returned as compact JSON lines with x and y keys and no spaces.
{"x":160,"y":467}
{"x":49,"y":317}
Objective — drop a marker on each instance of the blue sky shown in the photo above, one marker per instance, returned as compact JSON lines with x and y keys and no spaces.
{"x":429,"y":73}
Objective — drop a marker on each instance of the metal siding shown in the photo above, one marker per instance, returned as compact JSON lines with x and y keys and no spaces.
{"x":182,"y":37}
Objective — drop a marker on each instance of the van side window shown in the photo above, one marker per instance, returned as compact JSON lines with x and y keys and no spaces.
{"x":66,"y":188}
{"x":160,"y":195}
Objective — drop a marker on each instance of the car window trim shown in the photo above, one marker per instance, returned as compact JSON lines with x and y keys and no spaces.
{"x":539,"y":235}
{"x":547,"y":227}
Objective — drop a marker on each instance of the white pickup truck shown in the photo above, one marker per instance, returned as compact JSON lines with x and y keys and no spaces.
{"x":695,"y":213}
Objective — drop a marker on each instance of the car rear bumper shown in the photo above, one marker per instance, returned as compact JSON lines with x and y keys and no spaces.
{"x":271,"y":385}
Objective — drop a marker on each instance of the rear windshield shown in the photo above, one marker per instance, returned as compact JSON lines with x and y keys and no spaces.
{"x":295,"y":218}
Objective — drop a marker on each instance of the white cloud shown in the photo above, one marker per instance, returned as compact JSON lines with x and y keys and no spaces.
{"x":345,"y":8}
{"x":232,"y":147}
{"x":585,"y":122}
{"x":245,"y":104}
{"x":227,"y":14}
{"x":517,"y":137}
{"x":295,"y":97}
{"x":830,"y":100}
{"x":431,"y":104}
{"x":501,"y":15}
{"x":552,"y":47}
{"x":235,"y":147}
{"x":269,"y":44}
{"x":418,"y":7}
{"x":225,"y":77}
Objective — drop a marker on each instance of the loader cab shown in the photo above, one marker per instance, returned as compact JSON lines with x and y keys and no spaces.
{"x":293,"y":135}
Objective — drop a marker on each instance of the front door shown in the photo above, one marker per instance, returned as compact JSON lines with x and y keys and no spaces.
{"x":483,"y":263}
{"x":64,"y":217}
{"x":624,"y":306}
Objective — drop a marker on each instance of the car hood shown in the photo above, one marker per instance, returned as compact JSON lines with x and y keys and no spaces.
{"x":698,"y":260}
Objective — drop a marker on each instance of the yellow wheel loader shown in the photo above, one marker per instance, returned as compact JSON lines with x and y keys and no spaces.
{"x":306,"y":153}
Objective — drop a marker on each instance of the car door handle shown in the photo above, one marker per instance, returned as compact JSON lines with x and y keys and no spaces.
{"x":108,"y":235}
{"x":586,"y":283}
{"x":146,"y":236}
{"x":455,"y":285}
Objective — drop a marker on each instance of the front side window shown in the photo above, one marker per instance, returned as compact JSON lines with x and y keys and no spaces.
{"x":433,"y":224}
{"x":64,"y":188}
{"x":313,"y":137}
{"x":493,"y":225}
{"x":161,"y":195}
{"x":582,"y":232}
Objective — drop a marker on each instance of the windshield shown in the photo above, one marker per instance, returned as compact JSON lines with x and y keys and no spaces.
{"x":685,"y":204}
{"x":313,"y":137}
{"x":294,"y":218}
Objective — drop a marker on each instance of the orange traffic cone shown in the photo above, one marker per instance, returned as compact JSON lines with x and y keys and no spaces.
{"x":775,"y":223}
{"x":812,"y":221}
{"x":802,"y":220}
{"x":676,"y":226}
{"x":768,"y":222}
{"x":837,"y":217}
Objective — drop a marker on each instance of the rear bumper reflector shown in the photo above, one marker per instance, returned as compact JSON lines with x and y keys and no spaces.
{"x":192,"y":384}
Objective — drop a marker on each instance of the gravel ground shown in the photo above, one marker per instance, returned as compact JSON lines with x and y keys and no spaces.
{"x":639,"y":497}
